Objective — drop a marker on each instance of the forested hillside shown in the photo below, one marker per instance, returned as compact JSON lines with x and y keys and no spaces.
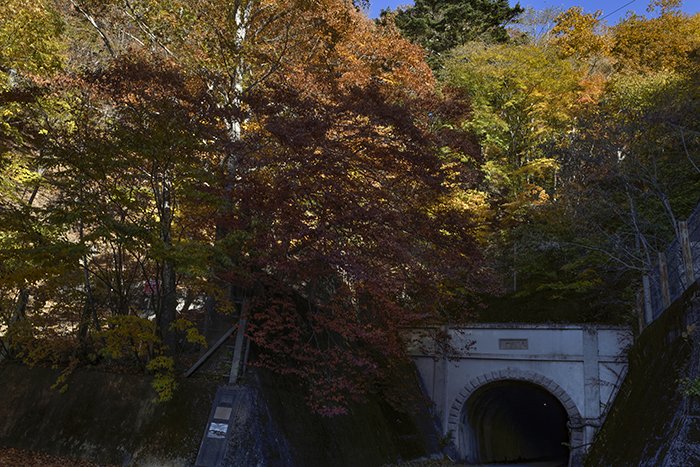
{"x":167,"y":162}
{"x":588,"y":146}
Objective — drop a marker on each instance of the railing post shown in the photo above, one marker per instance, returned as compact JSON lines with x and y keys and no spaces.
{"x":663,"y":278}
{"x":239,"y":352}
{"x":640,"y":310}
{"x":687,"y":252}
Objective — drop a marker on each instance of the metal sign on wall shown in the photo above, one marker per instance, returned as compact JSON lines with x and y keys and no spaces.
{"x":512,"y":344}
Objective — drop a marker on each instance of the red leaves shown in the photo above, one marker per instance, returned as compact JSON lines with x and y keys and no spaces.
{"x":15,"y":457}
{"x":298,"y":166}
{"x":336,"y":190}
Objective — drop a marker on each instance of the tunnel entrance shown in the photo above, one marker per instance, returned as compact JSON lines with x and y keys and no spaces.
{"x":515,"y":421}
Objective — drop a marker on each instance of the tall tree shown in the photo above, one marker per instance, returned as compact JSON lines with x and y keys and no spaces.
{"x":342,"y":202}
{"x":441,"y":25}
{"x":31,"y":47}
{"x":280,"y":149}
{"x":523,"y":99}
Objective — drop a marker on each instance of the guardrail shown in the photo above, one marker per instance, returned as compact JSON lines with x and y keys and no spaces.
{"x":677,"y":268}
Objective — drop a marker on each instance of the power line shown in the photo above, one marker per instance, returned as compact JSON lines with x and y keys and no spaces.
{"x":615,"y":11}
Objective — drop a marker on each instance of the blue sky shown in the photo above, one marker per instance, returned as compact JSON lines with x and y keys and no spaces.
{"x":608,"y":6}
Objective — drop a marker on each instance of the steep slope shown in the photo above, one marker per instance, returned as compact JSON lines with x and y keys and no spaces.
{"x":654,"y":421}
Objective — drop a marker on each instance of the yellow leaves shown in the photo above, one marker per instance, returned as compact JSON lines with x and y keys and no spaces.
{"x":531,"y":196}
{"x":471,"y":204}
{"x":16,"y":177}
{"x":474,"y":203}
{"x":30,"y":33}
{"x":164,"y":382}
{"x":663,"y":43}
{"x":524,"y":98}
{"x":71,"y":126}
{"x":636,"y":45}
{"x":577,"y":34}
{"x":129,"y":336}
{"x":541,"y":167}
{"x":192,"y":335}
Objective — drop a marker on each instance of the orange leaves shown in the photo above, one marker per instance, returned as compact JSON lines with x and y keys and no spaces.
{"x":337,"y":190}
{"x":356,"y":52}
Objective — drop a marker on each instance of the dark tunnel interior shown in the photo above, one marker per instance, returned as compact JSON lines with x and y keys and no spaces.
{"x":511,"y":421}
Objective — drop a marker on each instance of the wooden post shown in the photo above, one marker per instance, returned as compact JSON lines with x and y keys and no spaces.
{"x":648,"y":312}
{"x":640,"y":310}
{"x":239,"y":352}
{"x":687,"y":252}
{"x":663,"y":279}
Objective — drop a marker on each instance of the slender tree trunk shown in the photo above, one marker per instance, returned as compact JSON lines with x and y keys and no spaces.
{"x":23,"y":295}
{"x":230,"y":164}
{"x":640,"y":240}
{"x":666,"y":203}
{"x":21,"y":305}
{"x":168,"y":303}
{"x":18,"y":314}
{"x":121,"y":300}
{"x":515,"y":267}
{"x":89,"y":309}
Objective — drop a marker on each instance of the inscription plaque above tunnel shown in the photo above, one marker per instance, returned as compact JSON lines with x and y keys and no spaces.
{"x":512,"y":344}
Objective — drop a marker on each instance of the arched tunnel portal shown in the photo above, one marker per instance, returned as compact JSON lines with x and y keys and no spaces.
{"x":514,"y":421}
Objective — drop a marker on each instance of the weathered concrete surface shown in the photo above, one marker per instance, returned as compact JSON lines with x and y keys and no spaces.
{"x":276,"y":429}
{"x":103,"y":417}
{"x":580,"y":365}
{"x":113,"y":419}
{"x":652,"y":422}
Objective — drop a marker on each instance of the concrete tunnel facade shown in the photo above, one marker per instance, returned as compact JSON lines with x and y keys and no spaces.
{"x":510,"y":392}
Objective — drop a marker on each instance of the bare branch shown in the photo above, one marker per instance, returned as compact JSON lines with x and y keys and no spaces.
{"x":97,"y":27}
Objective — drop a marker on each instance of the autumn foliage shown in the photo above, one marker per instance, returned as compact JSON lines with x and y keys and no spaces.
{"x":185,"y":150}
{"x":165,"y":164}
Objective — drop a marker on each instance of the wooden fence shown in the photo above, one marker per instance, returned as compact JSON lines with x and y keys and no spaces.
{"x":677,"y":268}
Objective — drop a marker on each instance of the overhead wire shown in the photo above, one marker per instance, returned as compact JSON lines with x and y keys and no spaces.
{"x":618,"y":9}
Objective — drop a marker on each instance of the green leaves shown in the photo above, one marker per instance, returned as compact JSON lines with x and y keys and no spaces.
{"x":441,"y":25}
{"x":130,"y":337}
{"x":523,"y":99}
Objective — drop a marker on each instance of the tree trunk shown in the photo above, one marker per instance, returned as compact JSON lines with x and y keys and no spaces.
{"x":213,"y":320}
{"x":168,"y":303}
{"x":89,"y":309}
{"x":21,"y":305}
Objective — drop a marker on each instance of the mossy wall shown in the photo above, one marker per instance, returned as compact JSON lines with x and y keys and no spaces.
{"x":372,"y":434}
{"x":104,"y":417}
{"x":652,"y":421}
{"x":114,"y":419}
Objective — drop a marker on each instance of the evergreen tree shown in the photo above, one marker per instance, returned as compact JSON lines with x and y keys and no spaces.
{"x":440,"y":25}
